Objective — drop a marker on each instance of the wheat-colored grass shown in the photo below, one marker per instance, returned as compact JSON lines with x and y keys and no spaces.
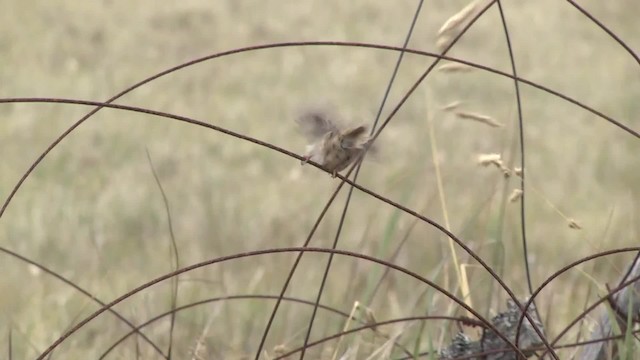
{"x":92,"y":211}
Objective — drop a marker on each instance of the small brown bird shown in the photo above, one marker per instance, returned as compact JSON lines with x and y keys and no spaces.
{"x":333,"y":146}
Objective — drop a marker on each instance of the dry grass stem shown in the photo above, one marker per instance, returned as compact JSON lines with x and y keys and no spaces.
{"x":464,"y":286}
{"x":479,"y":117}
{"x":369,"y":317}
{"x":199,"y":351}
{"x":516,"y":194}
{"x":351,"y":353}
{"x":354,"y":308}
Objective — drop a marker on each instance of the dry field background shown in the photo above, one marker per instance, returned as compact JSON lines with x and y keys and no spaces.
{"x":92,"y":211}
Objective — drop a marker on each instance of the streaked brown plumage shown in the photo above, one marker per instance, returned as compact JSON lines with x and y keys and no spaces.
{"x":333,"y":146}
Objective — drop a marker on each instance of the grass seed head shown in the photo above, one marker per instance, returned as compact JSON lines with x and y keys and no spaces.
{"x":487,"y":120}
{"x":574,"y":224}
{"x":452,"y":105}
{"x":454,"y":23}
{"x":488,"y":159}
{"x":455,"y":68}
{"x":443,"y":42}
{"x":516,"y":194}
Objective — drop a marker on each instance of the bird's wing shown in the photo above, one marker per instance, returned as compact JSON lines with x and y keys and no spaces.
{"x":315,"y":124}
{"x":355,"y":137}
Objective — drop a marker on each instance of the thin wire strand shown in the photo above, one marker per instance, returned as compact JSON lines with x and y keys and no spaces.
{"x":85,"y":293}
{"x":345,"y":209}
{"x":222,"y":259}
{"x":294,"y":44}
{"x":244,"y":297}
{"x":286,"y":152}
{"x":606,"y":29}
{"x":564,"y":269}
{"x":522,"y":147}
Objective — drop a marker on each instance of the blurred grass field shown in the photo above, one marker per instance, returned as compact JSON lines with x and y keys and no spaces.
{"x":93,"y":213}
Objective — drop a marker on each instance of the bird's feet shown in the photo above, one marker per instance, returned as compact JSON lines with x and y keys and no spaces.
{"x":305,"y":160}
